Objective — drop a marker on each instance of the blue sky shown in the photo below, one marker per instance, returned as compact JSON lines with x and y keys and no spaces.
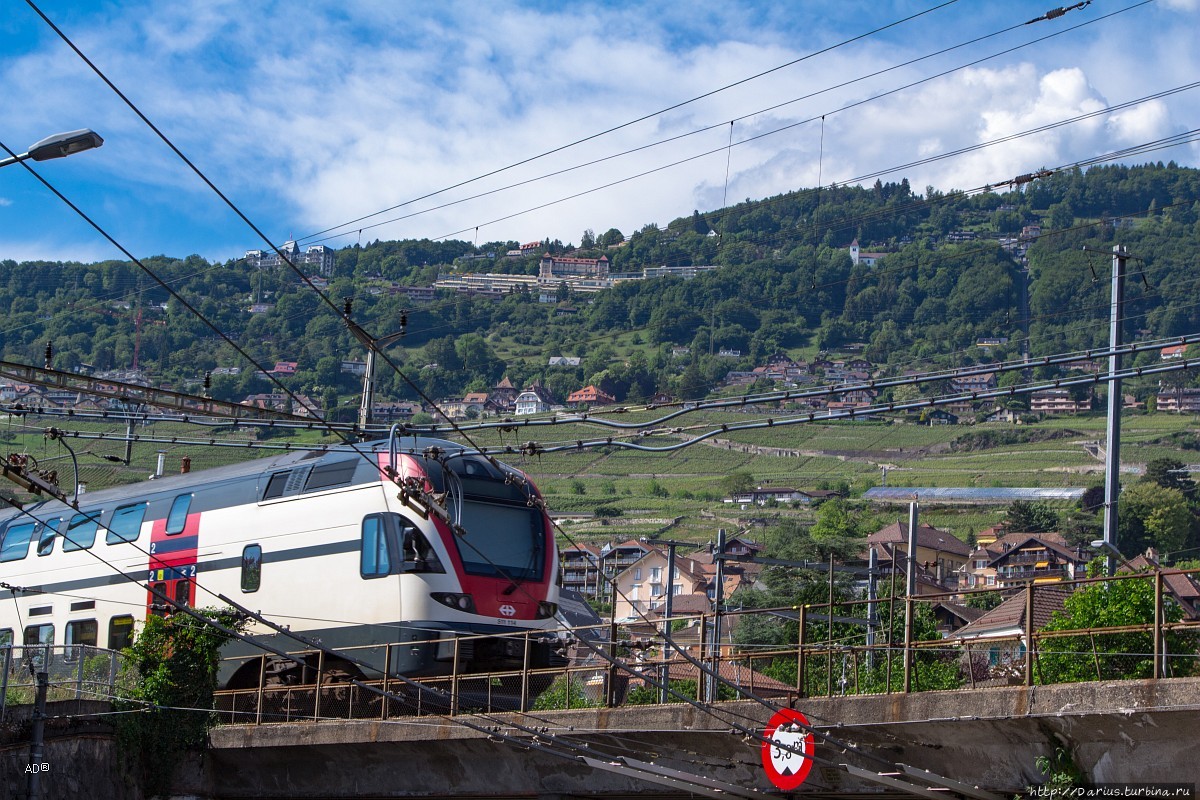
{"x":312,"y":114}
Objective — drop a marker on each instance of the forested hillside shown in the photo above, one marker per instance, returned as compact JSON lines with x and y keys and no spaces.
{"x":786,"y":283}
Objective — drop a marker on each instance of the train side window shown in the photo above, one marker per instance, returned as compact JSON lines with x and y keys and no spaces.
{"x":81,"y":633}
{"x":251,"y":568}
{"x":276,"y":485}
{"x":183,"y":592}
{"x":81,"y":531}
{"x":120,"y":632}
{"x":177,"y":516}
{"x":327,"y":476}
{"x":418,"y":555}
{"x":5,"y":637}
{"x":375,"y":561}
{"x":126,"y":524}
{"x":47,"y":531}
{"x":15,"y":542}
{"x":37,"y":635}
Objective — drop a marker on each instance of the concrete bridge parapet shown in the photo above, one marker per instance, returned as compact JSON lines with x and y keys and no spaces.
{"x":1117,"y":732}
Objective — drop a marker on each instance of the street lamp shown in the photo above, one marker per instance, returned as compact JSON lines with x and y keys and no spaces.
{"x":59,"y":145}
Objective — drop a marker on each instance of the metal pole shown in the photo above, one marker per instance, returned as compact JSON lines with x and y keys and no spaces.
{"x":262,"y":680}
{"x":1029,"y":635}
{"x":525,"y":676}
{"x":387,"y":673}
{"x":364,"y":408}
{"x":1159,"y":650}
{"x":718,"y":599}
{"x":36,"y":752}
{"x":829,"y":635}
{"x":908,"y":629}
{"x":910,"y":588}
{"x":6,"y":664}
{"x":667,"y":618}
{"x":317,"y":690}
{"x":872,"y":604}
{"x":611,"y":689}
{"x":800,"y":653}
{"x":129,"y":441}
{"x":1112,"y":454}
{"x":891,"y":623}
{"x":454,"y":680}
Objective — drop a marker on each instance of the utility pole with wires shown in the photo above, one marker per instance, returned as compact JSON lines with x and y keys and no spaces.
{"x":374,"y":346}
{"x":1112,"y":453}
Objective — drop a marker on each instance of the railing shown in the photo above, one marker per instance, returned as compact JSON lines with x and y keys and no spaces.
{"x":75,"y":672}
{"x":832,"y":652}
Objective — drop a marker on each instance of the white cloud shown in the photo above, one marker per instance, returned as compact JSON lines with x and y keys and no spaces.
{"x":313,"y":114}
{"x":1143,"y":123}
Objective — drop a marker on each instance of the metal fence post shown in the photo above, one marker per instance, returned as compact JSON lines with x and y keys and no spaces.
{"x":525,"y":675}
{"x":262,"y":679}
{"x":1029,"y":649}
{"x":79,"y":674}
{"x":454,"y":680}
{"x":7,"y":663}
{"x":610,"y":684}
{"x":387,"y":674}
{"x":1159,"y":650}
{"x":317,"y":691}
{"x":908,"y":631}
{"x":800,"y":688}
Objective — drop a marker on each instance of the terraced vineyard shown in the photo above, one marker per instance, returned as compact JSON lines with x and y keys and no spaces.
{"x":684,"y":486}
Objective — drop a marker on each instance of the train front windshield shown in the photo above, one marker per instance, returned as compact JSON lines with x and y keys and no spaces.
{"x":505,"y":536}
{"x":502,"y":541}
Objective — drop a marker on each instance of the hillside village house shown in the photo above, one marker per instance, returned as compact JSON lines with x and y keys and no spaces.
{"x":590,"y":396}
{"x":1019,"y":558}
{"x":940,"y":553}
{"x":643,"y":586}
{"x":504,"y":396}
{"x":534,"y":400}
{"x":1058,"y":401}
{"x":1000,"y":633}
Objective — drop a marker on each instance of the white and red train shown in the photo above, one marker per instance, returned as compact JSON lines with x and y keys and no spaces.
{"x":337,"y":545}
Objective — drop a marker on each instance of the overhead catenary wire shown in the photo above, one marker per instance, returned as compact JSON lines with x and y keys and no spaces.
{"x":642,"y":118}
{"x":676,"y":138}
{"x":772,"y":132}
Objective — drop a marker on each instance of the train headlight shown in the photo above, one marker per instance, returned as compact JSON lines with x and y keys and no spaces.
{"x":459,"y":602}
{"x":546,"y":610}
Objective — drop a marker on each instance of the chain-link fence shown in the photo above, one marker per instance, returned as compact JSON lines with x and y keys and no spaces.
{"x":73,"y":672}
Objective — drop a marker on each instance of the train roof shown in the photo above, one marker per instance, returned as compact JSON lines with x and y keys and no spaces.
{"x":409,"y":445}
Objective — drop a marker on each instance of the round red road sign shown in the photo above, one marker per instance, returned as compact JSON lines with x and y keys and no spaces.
{"x":784,"y":765}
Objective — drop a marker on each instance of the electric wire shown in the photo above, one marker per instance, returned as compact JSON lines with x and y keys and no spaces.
{"x":757,"y":137}
{"x":637,"y":120}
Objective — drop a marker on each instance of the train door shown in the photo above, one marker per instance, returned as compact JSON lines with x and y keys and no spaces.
{"x":173,"y":557}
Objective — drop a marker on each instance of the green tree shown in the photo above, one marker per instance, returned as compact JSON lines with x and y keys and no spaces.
{"x":736,"y":483}
{"x":1170,"y":473}
{"x":1031,"y":517}
{"x":1150,"y":515}
{"x":1128,"y":601}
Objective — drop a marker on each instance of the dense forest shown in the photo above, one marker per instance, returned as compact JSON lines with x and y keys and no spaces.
{"x":786,"y":283}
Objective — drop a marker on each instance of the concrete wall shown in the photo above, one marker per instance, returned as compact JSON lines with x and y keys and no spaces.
{"x":1132,"y":731}
{"x":80,"y":751}
{"x":1121,"y":732}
